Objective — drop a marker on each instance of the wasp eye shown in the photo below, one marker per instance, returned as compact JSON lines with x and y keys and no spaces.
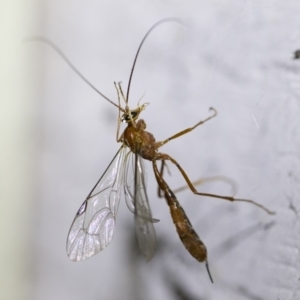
{"x":126,"y":117}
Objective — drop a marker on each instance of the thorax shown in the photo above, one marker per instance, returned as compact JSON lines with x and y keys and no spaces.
{"x":139,"y":140}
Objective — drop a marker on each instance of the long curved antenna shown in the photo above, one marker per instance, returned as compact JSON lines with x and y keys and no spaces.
{"x":141,"y":44}
{"x":71,"y":65}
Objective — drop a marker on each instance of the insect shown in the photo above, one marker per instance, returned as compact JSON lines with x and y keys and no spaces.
{"x":94,"y":223}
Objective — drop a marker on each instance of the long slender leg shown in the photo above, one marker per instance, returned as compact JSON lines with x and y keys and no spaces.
{"x":122,"y":94}
{"x":159,"y":144}
{"x":199,"y":181}
{"x":162,"y":156}
{"x":161,"y":174}
{"x":163,"y":165}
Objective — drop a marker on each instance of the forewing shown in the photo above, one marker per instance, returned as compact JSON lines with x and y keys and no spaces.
{"x":137,"y":200}
{"x":93,"y":226}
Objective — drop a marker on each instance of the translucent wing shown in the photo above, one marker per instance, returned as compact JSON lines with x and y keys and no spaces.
{"x":137,"y":201}
{"x":93,"y":226}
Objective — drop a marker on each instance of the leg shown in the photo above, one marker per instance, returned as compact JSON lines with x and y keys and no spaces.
{"x":159,"y":144}
{"x":162,"y":156}
{"x":121,"y":91}
{"x":161,"y":174}
{"x":163,"y":165}
{"x":210,"y":179}
{"x":197,"y":182}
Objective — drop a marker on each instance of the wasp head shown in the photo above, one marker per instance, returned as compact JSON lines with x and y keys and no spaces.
{"x":132,"y":115}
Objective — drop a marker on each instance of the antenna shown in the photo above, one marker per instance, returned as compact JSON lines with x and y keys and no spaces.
{"x":141,"y":44}
{"x":71,"y":65}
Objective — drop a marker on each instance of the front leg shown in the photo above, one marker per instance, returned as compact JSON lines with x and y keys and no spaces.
{"x":159,"y":144}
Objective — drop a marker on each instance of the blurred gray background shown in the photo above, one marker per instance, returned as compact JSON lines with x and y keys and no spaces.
{"x":58,"y":136}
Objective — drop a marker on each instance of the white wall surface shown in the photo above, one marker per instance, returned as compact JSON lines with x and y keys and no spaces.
{"x":236,"y":56}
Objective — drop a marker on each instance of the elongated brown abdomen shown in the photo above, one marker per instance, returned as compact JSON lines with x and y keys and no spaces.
{"x":186,"y":232}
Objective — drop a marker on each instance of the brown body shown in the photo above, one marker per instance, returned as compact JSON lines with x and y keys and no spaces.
{"x":140,"y":141}
{"x":143,"y":143}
